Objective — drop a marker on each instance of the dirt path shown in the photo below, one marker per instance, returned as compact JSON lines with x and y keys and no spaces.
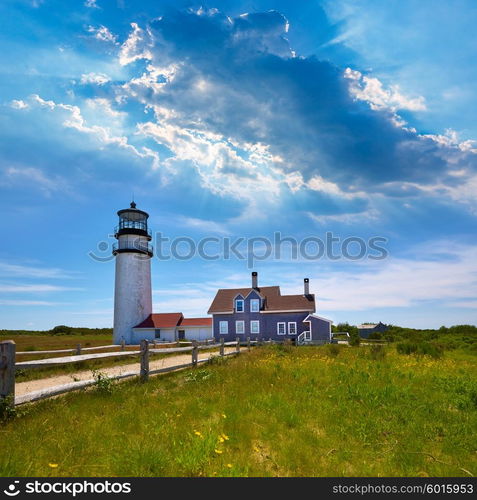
{"x":154,"y":364}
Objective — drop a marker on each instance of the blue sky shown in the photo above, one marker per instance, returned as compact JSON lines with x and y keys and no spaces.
{"x":239,"y":119}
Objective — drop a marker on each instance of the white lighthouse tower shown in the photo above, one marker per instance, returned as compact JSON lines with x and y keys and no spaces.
{"x":132,"y":292}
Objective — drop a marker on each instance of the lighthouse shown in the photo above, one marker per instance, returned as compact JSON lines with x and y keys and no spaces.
{"x":132,"y":289}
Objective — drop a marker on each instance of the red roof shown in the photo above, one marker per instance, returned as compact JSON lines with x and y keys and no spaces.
{"x":162,"y":320}
{"x":196,"y":322}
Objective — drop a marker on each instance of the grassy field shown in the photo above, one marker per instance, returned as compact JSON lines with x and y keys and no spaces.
{"x":276,"y":411}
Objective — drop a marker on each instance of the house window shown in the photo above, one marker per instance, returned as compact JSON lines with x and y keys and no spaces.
{"x":240,"y":327}
{"x":239,"y":305}
{"x":292,"y":328}
{"x":281,"y":328}
{"x":223,"y":327}
{"x":255,"y":326}
{"x":157,"y":333}
{"x":254,"y":305}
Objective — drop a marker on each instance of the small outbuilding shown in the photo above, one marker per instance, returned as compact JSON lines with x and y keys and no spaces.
{"x":170,"y":327}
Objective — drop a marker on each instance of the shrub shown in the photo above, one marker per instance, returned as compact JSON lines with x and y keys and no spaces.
{"x":377,"y":352}
{"x":7,"y":410}
{"x":333,"y":350}
{"x":103,"y":383}
{"x":61,"y":330}
{"x":354,"y":339}
{"x":420,"y":348}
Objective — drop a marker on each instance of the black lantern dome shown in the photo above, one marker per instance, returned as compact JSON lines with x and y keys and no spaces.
{"x":132,"y":222}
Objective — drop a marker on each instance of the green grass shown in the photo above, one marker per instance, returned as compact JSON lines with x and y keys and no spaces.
{"x":276,"y":411}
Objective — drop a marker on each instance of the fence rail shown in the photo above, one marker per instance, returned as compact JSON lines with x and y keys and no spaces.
{"x":8,"y":366}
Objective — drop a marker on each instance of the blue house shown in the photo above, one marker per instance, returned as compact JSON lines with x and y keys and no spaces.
{"x":263,"y":313}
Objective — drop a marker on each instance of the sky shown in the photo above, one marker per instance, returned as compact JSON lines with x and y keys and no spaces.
{"x":240,"y":119}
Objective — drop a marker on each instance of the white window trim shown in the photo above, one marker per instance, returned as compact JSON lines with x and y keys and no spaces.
{"x":253,"y":301}
{"x":243,"y":305}
{"x":258,"y":329}
{"x":226,"y":323}
{"x":284,"y":328}
{"x":243,"y":327}
{"x":291,"y":323}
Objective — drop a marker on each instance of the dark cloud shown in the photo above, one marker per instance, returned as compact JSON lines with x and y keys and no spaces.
{"x":257,"y":92}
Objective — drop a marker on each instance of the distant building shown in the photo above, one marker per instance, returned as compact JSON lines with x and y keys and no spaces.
{"x":264,"y":313}
{"x":169,"y":327}
{"x":366,"y":329}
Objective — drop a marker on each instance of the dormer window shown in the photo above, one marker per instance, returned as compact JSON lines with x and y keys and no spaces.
{"x":254,"y":305}
{"x":239,"y":305}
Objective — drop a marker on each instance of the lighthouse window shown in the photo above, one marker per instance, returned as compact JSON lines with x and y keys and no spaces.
{"x":240,"y":327}
{"x":239,"y":305}
{"x":255,"y":305}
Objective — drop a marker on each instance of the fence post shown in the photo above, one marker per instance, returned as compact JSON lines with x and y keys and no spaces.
{"x":195,"y":352}
{"x":144,"y":374}
{"x":238,"y":345}
{"x":7,"y":372}
{"x":248,"y":343}
{"x":222,"y":346}
{"x":123,"y":345}
{"x":78,"y":350}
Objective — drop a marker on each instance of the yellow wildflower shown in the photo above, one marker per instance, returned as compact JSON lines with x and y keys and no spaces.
{"x":221,"y":439}
{"x":229,"y":466}
{"x":219,"y":452}
{"x":197,"y":433}
{"x":53,"y":466}
{"x":256,"y":450}
{"x":225,"y":437}
{"x":224,"y":415}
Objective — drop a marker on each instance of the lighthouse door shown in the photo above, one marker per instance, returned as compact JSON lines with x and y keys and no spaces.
{"x":181,"y":334}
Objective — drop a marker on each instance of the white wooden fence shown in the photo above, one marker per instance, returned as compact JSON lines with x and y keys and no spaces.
{"x":8,"y":365}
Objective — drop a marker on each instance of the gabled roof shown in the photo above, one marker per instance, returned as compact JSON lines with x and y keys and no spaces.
{"x":273,"y":300}
{"x":196,"y":322}
{"x":161,"y":320}
{"x":317,"y":317}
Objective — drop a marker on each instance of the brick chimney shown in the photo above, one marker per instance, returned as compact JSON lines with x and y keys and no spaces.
{"x":306,"y":286}
{"x":254,"y":279}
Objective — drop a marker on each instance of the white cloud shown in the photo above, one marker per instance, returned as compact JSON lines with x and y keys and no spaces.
{"x":207,"y":226}
{"x":371,"y":90}
{"x":7,"y":288}
{"x":75,"y":120}
{"x":137,"y":46}
{"x":103,"y":34}
{"x":346,"y":218}
{"x":29,"y":303}
{"x":18,"y":104}
{"x":47,"y":183}
{"x":91,"y":4}
{"x":7,"y":269}
{"x":397,"y":282}
{"x":97,"y":78}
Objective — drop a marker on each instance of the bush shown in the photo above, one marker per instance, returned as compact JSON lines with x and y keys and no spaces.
{"x":377,"y":352}
{"x":420,"y":348}
{"x":61,"y":330}
{"x":7,"y":410}
{"x":354,"y":339}
{"x":333,"y":350}
{"x":103,"y":383}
